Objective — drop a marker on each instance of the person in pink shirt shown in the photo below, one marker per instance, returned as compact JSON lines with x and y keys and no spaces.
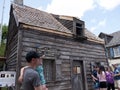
{"x":102,"y":78}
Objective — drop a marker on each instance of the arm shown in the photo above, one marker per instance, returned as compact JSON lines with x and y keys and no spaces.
{"x":20,"y":79}
{"x":117,"y":74}
{"x":38,"y":88}
{"x":94,"y":78}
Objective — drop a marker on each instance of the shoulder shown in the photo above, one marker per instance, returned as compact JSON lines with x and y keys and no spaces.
{"x":23,"y":68}
{"x":117,"y":71}
{"x":107,"y":72}
{"x":30,"y":71}
{"x":34,"y":72}
{"x":103,"y":72}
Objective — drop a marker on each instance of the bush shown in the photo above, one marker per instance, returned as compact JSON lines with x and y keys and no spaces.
{"x":2,"y":49}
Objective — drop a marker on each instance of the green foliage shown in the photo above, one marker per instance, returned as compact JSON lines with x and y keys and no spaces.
{"x":4,"y":88}
{"x":4,"y":36}
{"x":2,"y":49}
{"x":4,"y":31}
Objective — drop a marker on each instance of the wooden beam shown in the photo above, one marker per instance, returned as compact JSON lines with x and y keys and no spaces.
{"x":2,"y":59}
{"x":48,"y":30}
{"x":56,"y":32}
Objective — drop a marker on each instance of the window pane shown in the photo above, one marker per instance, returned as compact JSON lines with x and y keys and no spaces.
{"x":116,"y":52}
{"x":76,"y":70}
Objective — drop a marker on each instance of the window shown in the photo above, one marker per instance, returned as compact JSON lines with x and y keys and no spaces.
{"x":116,"y":51}
{"x":49,"y":69}
{"x":76,"y":70}
{"x":79,"y":29}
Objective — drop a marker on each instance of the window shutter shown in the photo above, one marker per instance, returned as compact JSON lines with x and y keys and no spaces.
{"x":58,"y":70}
{"x":111,"y":53}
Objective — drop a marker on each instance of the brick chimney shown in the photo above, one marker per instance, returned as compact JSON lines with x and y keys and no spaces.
{"x":19,"y":2}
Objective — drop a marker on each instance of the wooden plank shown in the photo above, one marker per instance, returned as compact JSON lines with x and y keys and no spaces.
{"x":57,"y":39}
{"x":85,"y":77}
{"x":47,"y":30}
{"x":19,"y":51}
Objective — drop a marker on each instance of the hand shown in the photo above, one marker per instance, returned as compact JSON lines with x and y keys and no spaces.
{"x":44,"y":87}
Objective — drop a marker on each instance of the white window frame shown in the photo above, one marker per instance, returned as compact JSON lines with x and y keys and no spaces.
{"x":116,"y":51}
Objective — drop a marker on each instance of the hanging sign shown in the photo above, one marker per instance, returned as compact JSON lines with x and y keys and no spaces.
{"x":7,"y":78}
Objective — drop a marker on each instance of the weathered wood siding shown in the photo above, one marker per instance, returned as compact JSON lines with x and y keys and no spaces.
{"x":69,"y":50}
{"x":12,"y":44}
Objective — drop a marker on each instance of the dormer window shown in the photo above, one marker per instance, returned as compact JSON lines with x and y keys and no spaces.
{"x":79,"y":29}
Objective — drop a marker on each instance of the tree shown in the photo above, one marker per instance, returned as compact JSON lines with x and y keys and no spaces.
{"x":4,"y":36}
{"x":4,"y":31}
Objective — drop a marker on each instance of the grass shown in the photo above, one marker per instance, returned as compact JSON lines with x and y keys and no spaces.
{"x":3,"y":88}
{"x":2,"y":49}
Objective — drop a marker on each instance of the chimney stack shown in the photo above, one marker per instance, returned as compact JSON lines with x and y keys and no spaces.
{"x":19,"y":2}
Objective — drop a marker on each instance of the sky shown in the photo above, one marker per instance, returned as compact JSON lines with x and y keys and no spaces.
{"x":98,"y":15}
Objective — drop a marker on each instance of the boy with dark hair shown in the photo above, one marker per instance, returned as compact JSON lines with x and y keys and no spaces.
{"x":31,"y":79}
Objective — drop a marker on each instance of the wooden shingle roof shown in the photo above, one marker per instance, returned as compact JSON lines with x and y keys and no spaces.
{"x":93,"y":37}
{"x":115,"y":40}
{"x":35,"y":17}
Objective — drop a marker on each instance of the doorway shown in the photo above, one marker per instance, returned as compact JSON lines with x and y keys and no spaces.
{"x":77,"y":75}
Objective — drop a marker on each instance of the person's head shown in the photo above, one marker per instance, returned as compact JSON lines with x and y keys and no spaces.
{"x":114,"y":65}
{"x":101,"y":68}
{"x":108,"y":69}
{"x":32,"y":57}
{"x":96,"y":67}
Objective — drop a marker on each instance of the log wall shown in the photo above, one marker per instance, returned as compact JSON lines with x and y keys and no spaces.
{"x":69,"y":50}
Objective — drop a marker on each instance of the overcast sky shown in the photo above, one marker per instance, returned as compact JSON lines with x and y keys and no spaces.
{"x":99,"y":15}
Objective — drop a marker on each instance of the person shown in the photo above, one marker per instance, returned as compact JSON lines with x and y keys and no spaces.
{"x":118,"y":66}
{"x":39,"y":69}
{"x":102,"y":78}
{"x":116,"y":76}
{"x":94,"y":78}
{"x":110,"y":79}
{"x":30,"y":77}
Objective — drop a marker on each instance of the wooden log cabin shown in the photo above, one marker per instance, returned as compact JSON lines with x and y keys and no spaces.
{"x":69,"y":47}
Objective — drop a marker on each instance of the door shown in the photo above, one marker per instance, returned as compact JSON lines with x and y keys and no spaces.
{"x":77,"y":75}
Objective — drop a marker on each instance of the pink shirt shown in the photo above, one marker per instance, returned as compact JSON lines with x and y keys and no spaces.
{"x":102,"y":77}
